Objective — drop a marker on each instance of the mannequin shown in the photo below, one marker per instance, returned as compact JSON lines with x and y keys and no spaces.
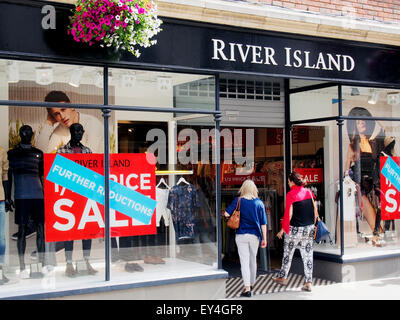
{"x":26,"y":167}
{"x":75,"y":146}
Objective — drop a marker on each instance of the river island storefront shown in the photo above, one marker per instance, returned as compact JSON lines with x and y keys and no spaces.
{"x":167,"y":140}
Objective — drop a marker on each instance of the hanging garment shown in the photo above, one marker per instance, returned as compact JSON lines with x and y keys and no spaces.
{"x":161,"y":208}
{"x":349,"y":199}
{"x":183,"y":201}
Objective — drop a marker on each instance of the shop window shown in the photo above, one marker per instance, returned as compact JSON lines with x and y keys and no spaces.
{"x":180,"y":238}
{"x":47,"y":246}
{"x":314,"y":157}
{"x":65,"y":246}
{"x":370,"y":195}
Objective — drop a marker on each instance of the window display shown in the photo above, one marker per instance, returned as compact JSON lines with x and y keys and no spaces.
{"x":368,"y":144}
{"x":58,"y":209}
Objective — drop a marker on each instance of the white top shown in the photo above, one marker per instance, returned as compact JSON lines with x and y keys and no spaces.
{"x":53,"y":137}
{"x":349,"y":199}
{"x":161,"y":207}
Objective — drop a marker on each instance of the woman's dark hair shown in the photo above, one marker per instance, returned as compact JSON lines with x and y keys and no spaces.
{"x":352,"y":131}
{"x":296,"y":179}
{"x":351,"y":124}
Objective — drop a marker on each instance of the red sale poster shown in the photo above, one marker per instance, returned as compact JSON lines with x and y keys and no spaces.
{"x":311,"y":175}
{"x":390,"y":197}
{"x":71,"y":216}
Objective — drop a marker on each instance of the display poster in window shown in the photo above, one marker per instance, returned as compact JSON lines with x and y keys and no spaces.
{"x":50,"y":126}
{"x":311,"y":175}
{"x":74,"y":205}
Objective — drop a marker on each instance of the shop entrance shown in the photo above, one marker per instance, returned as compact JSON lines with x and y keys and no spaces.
{"x":268,"y":175}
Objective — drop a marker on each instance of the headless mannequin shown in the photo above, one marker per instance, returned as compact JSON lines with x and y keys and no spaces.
{"x":26,"y":166}
{"x":75,"y":146}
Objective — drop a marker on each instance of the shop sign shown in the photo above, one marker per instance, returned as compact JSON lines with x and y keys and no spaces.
{"x":390,"y":187}
{"x":311,"y":175}
{"x":233,"y":179}
{"x":74,"y":196}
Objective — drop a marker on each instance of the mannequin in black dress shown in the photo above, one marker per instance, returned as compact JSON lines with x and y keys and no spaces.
{"x":26,"y":167}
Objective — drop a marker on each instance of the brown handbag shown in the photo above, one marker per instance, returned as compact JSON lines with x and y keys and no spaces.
{"x":234,"y":220}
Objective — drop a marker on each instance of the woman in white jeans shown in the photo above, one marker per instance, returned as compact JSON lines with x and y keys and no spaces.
{"x":252,"y":231}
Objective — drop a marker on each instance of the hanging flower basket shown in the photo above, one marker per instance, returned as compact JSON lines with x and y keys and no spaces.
{"x":122,"y":24}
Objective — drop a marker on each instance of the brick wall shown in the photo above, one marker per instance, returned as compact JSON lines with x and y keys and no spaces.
{"x":377,"y":10}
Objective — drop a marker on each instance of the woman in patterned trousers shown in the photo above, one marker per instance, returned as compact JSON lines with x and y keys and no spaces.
{"x":298,"y":226}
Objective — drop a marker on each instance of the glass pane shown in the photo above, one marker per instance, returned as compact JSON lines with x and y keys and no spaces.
{"x":55,"y":235}
{"x":313,"y":104}
{"x":315,"y":157}
{"x":169,"y":158}
{"x":370,"y":156}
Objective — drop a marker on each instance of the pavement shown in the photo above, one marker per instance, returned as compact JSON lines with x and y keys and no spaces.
{"x":377,"y":289}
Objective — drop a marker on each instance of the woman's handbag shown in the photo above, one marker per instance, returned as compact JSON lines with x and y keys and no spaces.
{"x":234,"y":220}
{"x":321,"y":231}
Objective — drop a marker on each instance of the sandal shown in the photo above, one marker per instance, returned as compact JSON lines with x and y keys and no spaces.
{"x":306,"y":287}
{"x":281,"y":281}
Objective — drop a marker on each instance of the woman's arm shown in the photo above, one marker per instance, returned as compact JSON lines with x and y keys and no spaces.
{"x":280,"y":233}
{"x":350,"y":156}
{"x":264,"y":235}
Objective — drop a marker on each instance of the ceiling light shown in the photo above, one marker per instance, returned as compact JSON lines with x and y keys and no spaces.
{"x":127,"y":80}
{"x":355,"y":92}
{"x":44,"y":75}
{"x":13,"y":71}
{"x":373,"y":98}
{"x":76,"y":77}
{"x":164,"y":83}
